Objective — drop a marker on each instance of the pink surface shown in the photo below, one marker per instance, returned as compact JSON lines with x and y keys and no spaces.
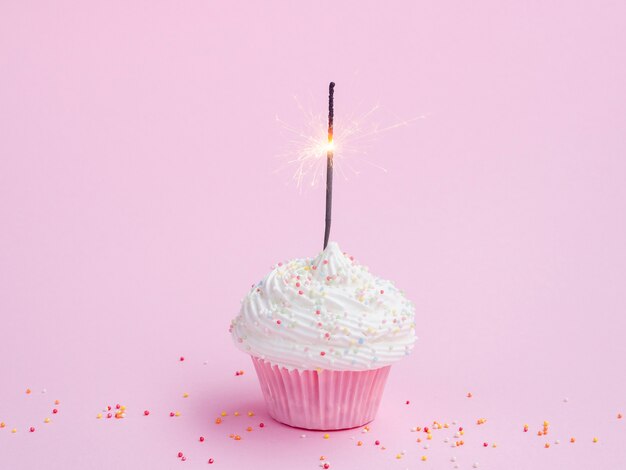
{"x":138,"y":203}
{"x":322,"y":400}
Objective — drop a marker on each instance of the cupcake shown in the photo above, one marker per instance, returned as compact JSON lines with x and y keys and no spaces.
{"x":323,"y":334}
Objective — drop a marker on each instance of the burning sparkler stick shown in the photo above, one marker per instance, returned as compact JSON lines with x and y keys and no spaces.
{"x":329,"y":162}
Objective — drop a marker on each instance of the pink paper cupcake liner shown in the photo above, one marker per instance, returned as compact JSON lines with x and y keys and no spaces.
{"x":322,"y":400}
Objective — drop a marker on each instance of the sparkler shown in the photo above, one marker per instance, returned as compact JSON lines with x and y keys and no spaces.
{"x":316,"y":140}
{"x":329,"y":162}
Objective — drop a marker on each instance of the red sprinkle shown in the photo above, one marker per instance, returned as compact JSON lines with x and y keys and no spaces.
{"x":172,"y":413}
{"x":278,"y":322}
{"x":322,"y":353}
{"x":407,"y":402}
{"x":182,"y":358}
{"x":55,"y":411}
{"x":201,"y":439}
{"x":180,"y":454}
{"x":326,"y":465}
{"x":377,"y":443}
{"x":300,"y":292}
{"x":211,"y":460}
{"x":485,"y":444}
{"x":146,"y":413}
{"x":382,"y":291}
{"x":425,"y":429}
{"x":32,"y":429}
{"x":183,"y":458}
{"x":117,"y":407}
{"x":261,"y":425}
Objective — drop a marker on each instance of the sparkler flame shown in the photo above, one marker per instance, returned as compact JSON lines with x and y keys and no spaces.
{"x":308,"y":145}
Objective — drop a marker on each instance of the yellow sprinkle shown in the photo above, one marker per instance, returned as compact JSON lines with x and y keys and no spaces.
{"x":461,"y":432}
{"x":326,"y":436}
{"x":250,"y":413}
{"x":424,"y":458}
{"x":13,"y":430}
{"x":177,"y":413}
{"x":398,"y":456}
{"x":546,"y":423}
{"x":47,"y":420}
{"x":595,"y":439}
{"x":99,"y":415}
{"x":429,"y":436}
{"x":224,"y":413}
{"x":185,"y":395}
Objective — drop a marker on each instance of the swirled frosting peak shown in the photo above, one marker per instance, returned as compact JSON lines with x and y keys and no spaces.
{"x":328,"y":312}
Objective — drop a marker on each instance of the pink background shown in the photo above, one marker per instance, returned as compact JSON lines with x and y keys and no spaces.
{"x":138,"y":202}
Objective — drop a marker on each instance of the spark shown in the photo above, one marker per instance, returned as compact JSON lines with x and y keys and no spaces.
{"x":354,"y":134}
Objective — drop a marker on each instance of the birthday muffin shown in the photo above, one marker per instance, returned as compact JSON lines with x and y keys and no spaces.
{"x":323,"y":334}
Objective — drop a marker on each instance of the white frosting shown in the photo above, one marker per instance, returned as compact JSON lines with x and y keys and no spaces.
{"x":328,"y":313}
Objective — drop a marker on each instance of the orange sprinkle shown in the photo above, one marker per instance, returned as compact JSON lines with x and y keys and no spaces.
{"x":572,"y":440}
{"x":619,"y":416}
{"x":469,"y":395}
{"x":359,"y":443}
{"x":547,"y":445}
{"x":57,"y":402}
{"x":218,"y":421}
{"x":249,"y":428}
